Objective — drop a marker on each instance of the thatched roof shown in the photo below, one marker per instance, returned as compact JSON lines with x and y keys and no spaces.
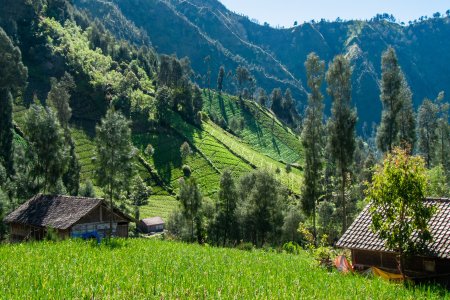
{"x":60,"y":212}
{"x":153,"y":221}
{"x":360,"y":235}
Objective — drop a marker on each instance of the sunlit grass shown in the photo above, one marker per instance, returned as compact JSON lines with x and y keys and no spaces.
{"x":152,"y":269}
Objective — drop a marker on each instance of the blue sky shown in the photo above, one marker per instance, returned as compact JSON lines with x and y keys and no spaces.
{"x":285,"y":12}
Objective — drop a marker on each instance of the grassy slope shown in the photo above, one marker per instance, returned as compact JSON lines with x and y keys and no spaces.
{"x":262,"y":131}
{"x":263,"y":143}
{"x":151,"y":269}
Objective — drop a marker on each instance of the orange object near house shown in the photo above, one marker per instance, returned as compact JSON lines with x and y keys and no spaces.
{"x":342,"y":264}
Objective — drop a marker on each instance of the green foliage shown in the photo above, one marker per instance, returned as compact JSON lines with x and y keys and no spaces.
{"x":114,"y":154}
{"x":397,"y":207}
{"x":46,"y":142}
{"x":13,"y":74}
{"x":191,"y":205}
{"x":185,"y":151}
{"x":427,"y":125}
{"x":59,"y":98}
{"x":313,"y":135}
{"x":226,"y":221}
{"x":406,"y":118}
{"x":220,"y":78}
{"x":260,"y":207}
{"x":6,"y":130}
{"x":438,"y":183}
{"x":87,"y":189}
{"x":184,"y":271}
{"x":140,"y":192}
{"x":391,"y":97}
{"x":341,"y":125}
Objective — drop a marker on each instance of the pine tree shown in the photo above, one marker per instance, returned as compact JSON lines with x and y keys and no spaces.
{"x":277,"y":101}
{"x":427,"y":125}
{"x":59,"y":98}
{"x":6,"y":130}
{"x":220,"y":78}
{"x":443,"y":134}
{"x":46,"y":140}
{"x":191,"y":203}
{"x":13,"y":75}
{"x":114,"y":154}
{"x":313,"y":137}
{"x":226,"y":205}
{"x":341,"y":125}
{"x":406,"y":119}
{"x":391,"y":97}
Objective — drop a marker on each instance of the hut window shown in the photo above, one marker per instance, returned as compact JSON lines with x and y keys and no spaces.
{"x":429,"y":265}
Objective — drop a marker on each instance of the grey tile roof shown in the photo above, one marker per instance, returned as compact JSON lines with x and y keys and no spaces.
{"x":59,"y":212}
{"x":360,"y":235}
{"x":153,"y":221}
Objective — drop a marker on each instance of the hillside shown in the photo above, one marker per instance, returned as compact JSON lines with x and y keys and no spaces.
{"x":159,"y":269}
{"x":200,"y":28}
{"x":261,"y":142}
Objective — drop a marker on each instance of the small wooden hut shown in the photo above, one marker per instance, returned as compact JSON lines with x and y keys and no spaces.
{"x":152,"y":225}
{"x":70,"y":216}
{"x":368,"y":249}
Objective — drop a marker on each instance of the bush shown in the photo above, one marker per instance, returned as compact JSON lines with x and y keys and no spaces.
{"x":186,"y":171}
{"x":245,"y":246}
{"x":291,"y":247}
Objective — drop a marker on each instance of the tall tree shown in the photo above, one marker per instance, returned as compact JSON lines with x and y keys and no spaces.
{"x":391,"y":97}
{"x":262,"y":98}
{"x":226,"y":206}
{"x":260,"y":207}
{"x":313,"y":136}
{"x":427,"y":125}
{"x":341,"y":124}
{"x":46,"y":139}
{"x":399,"y":214}
{"x":59,"y":98}
{"x":220,"y":78}
{"x":406,"y":119}
{"x":114,"y":154}
{"x":13,"y":75}
{"x":71,"y":178}
{"x":242,"y":76}
{"x":443,"y":133}
{"x":277,"y":102}
{"x":191,"y":203}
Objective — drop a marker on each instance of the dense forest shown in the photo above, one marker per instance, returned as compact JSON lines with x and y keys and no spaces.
{"x":89,"y":107}
{"x":199,"y":29}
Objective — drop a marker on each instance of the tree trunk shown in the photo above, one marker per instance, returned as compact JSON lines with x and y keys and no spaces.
{"x":344,"y":205}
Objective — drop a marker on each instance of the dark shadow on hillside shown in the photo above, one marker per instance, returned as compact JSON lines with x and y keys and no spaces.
{"x":223,"y":111}
{"x":166,"y":157}
{"x":252,"y":124}
{"x":275,"y":145}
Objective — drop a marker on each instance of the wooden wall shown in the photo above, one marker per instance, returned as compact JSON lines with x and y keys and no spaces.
{"x":414,"y":265}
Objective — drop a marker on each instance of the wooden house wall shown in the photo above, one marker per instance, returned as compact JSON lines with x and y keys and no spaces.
{"x":100,"y":214}
{"x":414,"y":265}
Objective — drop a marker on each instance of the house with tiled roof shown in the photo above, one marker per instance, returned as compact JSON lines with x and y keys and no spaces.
{"x":368,"y":249}
{"x":69,"y":216}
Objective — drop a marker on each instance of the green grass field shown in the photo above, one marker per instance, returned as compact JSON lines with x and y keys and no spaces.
{"x":152,"y":269}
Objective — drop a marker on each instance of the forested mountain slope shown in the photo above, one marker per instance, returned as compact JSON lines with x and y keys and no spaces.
{"x":234,"y":134}
{"x":200,"y":28}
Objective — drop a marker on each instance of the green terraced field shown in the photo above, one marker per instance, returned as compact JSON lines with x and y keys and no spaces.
{"x":85,"y":149}
{"x":262,"y":131}
{"x":158,"y":206}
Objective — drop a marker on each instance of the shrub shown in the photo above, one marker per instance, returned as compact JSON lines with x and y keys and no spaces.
{"x":186,"y":171}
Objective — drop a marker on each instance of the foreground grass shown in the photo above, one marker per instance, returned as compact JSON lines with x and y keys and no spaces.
{"x":143,"y":269}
